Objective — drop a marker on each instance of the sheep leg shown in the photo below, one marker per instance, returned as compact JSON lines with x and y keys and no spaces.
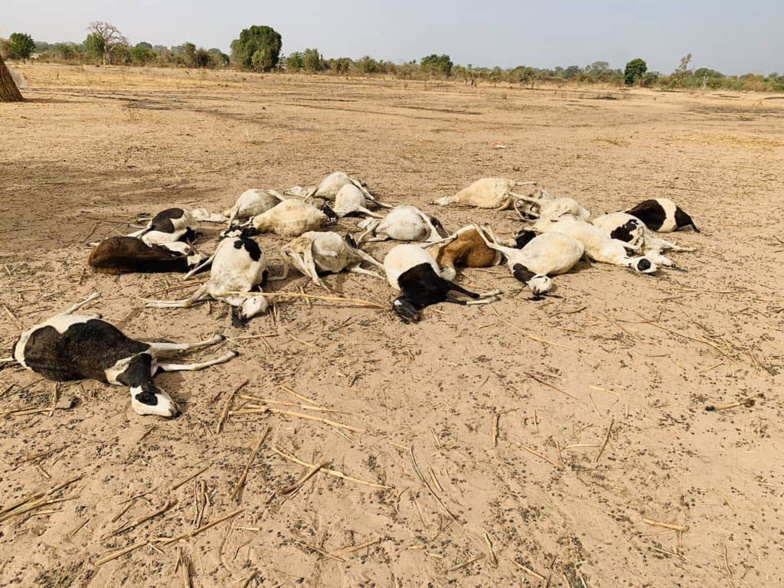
{"x":200,"y":295}
{"x":199,"y":267}
{"x":310,"y":264}
{"x":79,"y":305}
{"x":364,"y":210}
{"x":366,"y":257}
{"x":168,"y":349}
{"x":192,"y":367}
{"x":359,"y":270}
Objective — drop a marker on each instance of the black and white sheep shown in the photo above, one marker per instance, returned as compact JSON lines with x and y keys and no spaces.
{"x":662,"y":215}
{"x":638,"y":238}
{"x":598,"y":246}
{"x":414,"y":272}
{"x":70,"y":346}
{"x":239,"y":268}
{"x":168,"y":226}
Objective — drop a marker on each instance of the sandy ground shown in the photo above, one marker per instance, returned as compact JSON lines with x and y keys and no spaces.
{"x":562,"y":443}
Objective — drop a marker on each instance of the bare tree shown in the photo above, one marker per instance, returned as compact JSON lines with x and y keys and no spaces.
{"x":8,"y":90}
{"x":110,"y":35}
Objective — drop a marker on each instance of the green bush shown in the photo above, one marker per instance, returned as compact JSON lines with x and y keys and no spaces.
{"x":258,"y":48}
{"x":20,"y":46}
{"x":635,"y":69}
{"x":437,"y":64}
{"x":312,"y":61}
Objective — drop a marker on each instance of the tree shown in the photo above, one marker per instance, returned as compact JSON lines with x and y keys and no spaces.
{"x":94,"y":45}
{"x":597,"y":69}
{"x":143,"y":53}
{"x":20,"y":46}
{"x":437,"y":63}
{"x":294,"y":61}
{"x":258,"y":48}
{"x":572,"y":72}
{"x":312,"y":60}
{"x":678,"y":77}
{"x":635,"y":69}
{"x":109,"y":35}
{"x":8,"y":90}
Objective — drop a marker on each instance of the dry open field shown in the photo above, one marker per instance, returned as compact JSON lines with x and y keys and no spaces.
{"x":561,"y":443}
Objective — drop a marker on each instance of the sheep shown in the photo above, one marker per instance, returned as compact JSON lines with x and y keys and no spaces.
{"x":121,"y":255}
{"x":251,"y":203}
{"x":662,"y":215}
{"x":495,"y":193}
{"x":291,"y":218}
{"x":550,"y":208}
{"x":403,"y":223}
{"x":414,"y":272}
{"x":331,"y":185}
{"x":598,"y":246}
{"x":69,"y":346}
{"x":539,"y":257}
{"x":168,"y":226}
{"x":465,"y":247}
{"x":238,"y":266}
{"x":632,"y":231}
{"x":313,"y":253}
{"x":351,"y":200}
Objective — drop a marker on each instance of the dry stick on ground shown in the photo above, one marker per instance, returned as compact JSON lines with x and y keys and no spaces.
{"x":529,"y":335}
{"x":34,"y":498}
{"x":300,"y":396}
{"x":496,"y":419}
{"x":746,"y":402}
{"x":169,"y":505}
{"x":227,"y":406}
{"x":241,"y":482}
{"x":184,"y":564}
{"x":606,"y":439}
{"x":670,"y":526}
{"x":528,"y":570}
{"x":201,"y":529}
{"x":332,"y":473}
{"x":354,"y":548}
{"x":121,"y":552}
{"x":465,"y":564}
{"x":186,"y":480}
{"x":430,"y":489}
{"x":541,"y":456}
{"x":298,"y":484}
{"x":543,"y":383}
{"x":246,"y":581}
{"x":303,"y":416}
{"x":263,"y":402}
{"x":355,"y":301}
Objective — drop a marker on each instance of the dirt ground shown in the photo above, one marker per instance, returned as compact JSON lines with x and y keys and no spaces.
{"x":562,"y":443}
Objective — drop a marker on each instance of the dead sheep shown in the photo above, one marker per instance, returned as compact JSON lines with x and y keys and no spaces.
{"x":332,"y":184}
{"x":414,"y":272}
{"x":122,"y":255}
{"x":239,"y":268}
{"x":316,"y":253}
{"x":168,"y":226}
{"x":70,"y":347}
{"x":403,"y":223}
{"x":350,"y":201}
{"x":464,"y":248}
{"x":495,"y":193}
{"x":292,"y":218}
{"x":598,"y":246}
{"x":251,"y":203}
{"x":540,"y":256}
{"x":638,"y":238}
{"x":550,"y":208}
{"x":662,"y":215}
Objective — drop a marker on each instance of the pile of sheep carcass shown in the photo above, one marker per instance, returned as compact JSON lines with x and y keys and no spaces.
{"x":555,"y":235}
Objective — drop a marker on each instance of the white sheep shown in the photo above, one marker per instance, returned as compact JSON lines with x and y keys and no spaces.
{"x":251,"y":203}
{"x":351,"y":200}
{"x":331,"y":185}
{"x":542,"y":256}
{"x":313,"y":253}
{"x":495,"y":193}
{"x":550,"y":208}
{"x":403,"y":223}
{"x":290,"y":219}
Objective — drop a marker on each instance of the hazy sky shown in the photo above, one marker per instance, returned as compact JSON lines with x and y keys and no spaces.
{"x":734,"y":37}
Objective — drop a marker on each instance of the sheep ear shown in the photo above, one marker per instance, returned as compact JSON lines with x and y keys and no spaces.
{"x":522,"y":273}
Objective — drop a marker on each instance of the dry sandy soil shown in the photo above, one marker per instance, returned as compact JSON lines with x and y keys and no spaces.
{"x":562,"y":443}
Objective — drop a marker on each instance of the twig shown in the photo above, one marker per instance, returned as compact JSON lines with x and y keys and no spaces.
{"x":300,"y":396}
{"x":241,"y":482}
{"x":541,"y":456}
{"x":227,"y":406}
{"x":496,"y":419}
{"x":310,"y":473}
{"x":202,"y":528}
{"x":121,"y":552}
{"x":169,"y":504}
{"x":246,"y":581}
{"x":357,"y":301}
{"x":528,"y":570}
{"x":671,"y":526}
{"x":464,"y":564}
{"x":543,"y":383}
{"x":606,"y":439}
{"x":430,"y":489}
{"x":353,"y":548}
{"x":304,"y":416}
{"x":188,"y":479}
{"x":333,"y":473}
{"x":746,"y":402}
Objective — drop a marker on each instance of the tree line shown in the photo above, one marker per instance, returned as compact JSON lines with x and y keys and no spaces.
{"x":258,"y":48}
